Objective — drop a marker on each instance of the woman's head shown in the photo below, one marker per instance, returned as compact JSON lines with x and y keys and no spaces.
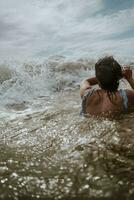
{"x":108,"y":72}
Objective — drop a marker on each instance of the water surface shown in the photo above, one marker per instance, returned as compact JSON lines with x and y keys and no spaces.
{"x":48,"y":151}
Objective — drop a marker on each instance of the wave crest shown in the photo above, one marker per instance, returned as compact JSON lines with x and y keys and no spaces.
{"x":23,"y":81}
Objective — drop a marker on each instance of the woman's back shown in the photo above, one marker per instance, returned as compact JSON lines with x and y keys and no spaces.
{"x":100,"y":102}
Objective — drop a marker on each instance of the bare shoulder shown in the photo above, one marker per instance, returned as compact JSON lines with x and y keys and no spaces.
{"x":130,"y":95}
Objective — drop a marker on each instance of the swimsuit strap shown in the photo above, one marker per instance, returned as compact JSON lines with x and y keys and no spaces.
{"x":84,"y":98}
{"x":124,"y":97}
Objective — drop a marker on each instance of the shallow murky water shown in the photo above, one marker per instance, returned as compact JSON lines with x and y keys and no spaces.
{"x":50,"y":152}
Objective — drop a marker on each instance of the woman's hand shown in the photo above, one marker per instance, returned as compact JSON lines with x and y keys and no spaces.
{"x":127,"y":73}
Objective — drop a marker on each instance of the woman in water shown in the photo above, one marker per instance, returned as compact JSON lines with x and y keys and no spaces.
{"x":107,"y":98}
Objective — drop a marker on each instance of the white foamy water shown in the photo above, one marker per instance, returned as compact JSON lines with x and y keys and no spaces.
{"x":22,"y":83}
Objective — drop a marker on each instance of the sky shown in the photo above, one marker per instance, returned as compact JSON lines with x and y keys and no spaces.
{"x":72,"y":28}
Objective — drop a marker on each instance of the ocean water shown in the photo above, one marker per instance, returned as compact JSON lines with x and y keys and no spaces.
{"x":47,"y":150}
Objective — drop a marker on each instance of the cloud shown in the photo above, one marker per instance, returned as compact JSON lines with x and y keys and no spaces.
{"x":75,"y":28}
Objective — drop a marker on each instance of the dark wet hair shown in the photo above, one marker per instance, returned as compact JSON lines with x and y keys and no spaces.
{"x":108,"y":72}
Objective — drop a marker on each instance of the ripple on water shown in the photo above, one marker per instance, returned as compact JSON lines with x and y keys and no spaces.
{"x":57,"y":154}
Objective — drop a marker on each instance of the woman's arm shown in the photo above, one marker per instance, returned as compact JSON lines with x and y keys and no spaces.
{"x":86,"y":84}
{"x":127,"y":74}
{"x":131,"y":82}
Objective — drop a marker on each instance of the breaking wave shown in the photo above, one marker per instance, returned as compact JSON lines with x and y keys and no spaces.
{"x":23,"y":81}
